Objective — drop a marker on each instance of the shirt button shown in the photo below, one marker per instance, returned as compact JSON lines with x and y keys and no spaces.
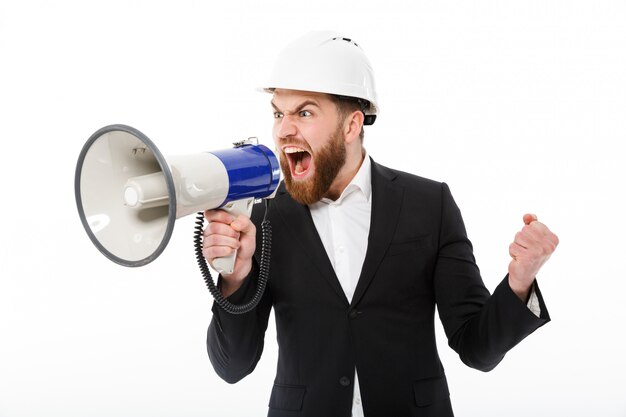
{"x":344,"y":381}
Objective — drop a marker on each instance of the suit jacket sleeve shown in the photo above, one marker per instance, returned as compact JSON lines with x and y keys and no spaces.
{"x":480,"y":327}
{"x":235,"y":341}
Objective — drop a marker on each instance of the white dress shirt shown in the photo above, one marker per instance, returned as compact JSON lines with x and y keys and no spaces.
{"x":343,"y":226}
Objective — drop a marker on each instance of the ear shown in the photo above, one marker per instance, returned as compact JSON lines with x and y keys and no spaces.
{"x":352,"y":126}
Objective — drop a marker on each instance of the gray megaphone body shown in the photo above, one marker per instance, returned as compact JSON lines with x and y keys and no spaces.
{"x":129,"y":196}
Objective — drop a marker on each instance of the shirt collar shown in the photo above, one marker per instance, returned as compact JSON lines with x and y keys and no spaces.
{"x":362,"y":181}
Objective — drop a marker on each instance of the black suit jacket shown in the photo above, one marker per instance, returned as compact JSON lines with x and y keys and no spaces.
{"x":418,"y":255}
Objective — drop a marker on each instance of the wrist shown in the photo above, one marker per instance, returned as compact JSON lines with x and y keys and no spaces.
{"x":521,"y":289}
{"x":229,"y":284}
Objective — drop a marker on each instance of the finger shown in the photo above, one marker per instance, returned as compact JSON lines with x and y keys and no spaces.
{"x":218,"y":216}
{"x":554,"y":239}
{"x":535,"y":231}
{"x":217,"y":252}
{"x":215,"y":228}
{"x":523,"y":239}
{"x":539,"y":231}
{"x":515,"y":250}
{"x":221,"y":240}
{"x":243,"y":224}
{"x":529,"y":218}
{"x":536,"y":235}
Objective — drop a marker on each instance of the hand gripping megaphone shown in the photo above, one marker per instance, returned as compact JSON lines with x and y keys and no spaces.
{"x":129,"y":196}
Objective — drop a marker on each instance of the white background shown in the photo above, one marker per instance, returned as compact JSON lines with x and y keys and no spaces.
{"x":518,"y":106}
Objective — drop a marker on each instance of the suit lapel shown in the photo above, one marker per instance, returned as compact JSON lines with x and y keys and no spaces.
{"x":299,"y":222}
{"x":386,"y":203}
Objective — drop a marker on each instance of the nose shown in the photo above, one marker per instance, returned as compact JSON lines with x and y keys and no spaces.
{"x":285,"y":127}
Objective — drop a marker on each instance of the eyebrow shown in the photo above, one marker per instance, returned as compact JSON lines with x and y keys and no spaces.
{"x":299,"y":108}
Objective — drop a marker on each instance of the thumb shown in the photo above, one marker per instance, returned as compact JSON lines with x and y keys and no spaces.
{"x":529,"y":218}
{"x":242,"y":224}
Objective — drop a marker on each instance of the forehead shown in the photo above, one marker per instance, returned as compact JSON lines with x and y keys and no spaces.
{"x":285,"y":99}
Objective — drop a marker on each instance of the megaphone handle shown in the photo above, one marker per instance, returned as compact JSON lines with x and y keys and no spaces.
{"x":226,"y":264}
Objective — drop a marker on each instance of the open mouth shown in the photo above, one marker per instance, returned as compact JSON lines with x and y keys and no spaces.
{"x":299,"y":161}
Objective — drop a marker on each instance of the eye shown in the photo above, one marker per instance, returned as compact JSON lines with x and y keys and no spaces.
{"x":305,"y":113}
{"x":277,"y":115}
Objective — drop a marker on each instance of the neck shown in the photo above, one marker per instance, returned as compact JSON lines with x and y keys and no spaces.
{"x":346,"y":174}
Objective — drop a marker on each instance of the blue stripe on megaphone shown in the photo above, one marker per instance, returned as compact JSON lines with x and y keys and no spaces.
{"x":253,"y":171}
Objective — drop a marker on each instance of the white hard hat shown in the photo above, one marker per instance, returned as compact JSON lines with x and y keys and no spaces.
{"x":326,"y":62}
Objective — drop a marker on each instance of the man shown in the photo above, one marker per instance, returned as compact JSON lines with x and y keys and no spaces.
{"x":361,"y":254}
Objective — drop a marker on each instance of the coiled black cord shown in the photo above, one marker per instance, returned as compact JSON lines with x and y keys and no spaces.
{"x":264,"y":268}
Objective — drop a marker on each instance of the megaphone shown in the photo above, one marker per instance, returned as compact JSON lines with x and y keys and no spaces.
{"x":129,"y":196}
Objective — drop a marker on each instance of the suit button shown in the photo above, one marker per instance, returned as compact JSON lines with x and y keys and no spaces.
{"x":344,"y":381}
{"x":353,"y":314}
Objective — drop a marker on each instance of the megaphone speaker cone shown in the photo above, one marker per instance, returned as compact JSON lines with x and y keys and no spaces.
{"x":112,"y":157}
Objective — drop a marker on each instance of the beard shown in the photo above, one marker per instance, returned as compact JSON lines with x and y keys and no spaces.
{"x":328,"y":162}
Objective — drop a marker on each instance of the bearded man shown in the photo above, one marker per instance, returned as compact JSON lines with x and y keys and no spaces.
{"x":361,"y":255}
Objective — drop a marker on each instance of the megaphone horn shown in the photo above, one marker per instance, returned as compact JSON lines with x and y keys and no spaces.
{"x":129,"y":195}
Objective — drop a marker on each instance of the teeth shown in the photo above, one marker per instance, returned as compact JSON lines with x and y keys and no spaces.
{"x":293,"y":149}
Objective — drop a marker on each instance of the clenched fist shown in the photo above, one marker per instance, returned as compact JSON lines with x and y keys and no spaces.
{"x":530,"y":249}
{"x":225,"y":234}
